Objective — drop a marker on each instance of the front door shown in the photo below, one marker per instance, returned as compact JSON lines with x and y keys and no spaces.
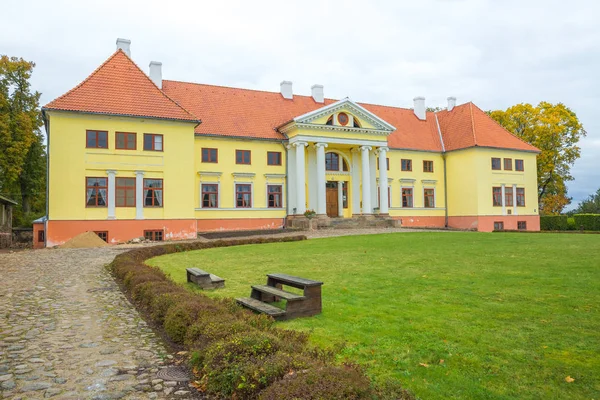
{"x":332,"y":199}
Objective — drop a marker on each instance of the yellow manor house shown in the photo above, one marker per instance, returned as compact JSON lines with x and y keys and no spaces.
{"x":134,"y":155}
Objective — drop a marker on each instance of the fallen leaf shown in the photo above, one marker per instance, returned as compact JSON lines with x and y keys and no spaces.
{"x":182,"y":353}
{"x":441,"y":361}
{"x":424,"y":365}
{"x":568,"y":379}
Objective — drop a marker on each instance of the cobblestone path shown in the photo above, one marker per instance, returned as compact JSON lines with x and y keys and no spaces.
{"x":66,"y":330}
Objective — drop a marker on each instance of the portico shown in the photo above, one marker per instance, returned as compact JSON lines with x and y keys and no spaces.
{"x":337,"y":148}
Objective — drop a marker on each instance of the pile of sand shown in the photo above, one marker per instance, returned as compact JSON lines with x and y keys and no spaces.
{"x":84,"y":240}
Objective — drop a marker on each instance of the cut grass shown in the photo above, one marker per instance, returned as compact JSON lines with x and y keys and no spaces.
{"x":449,"y":315}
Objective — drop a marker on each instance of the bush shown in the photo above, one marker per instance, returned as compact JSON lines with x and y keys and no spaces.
{"x":571,"y":226}
{"x":181,"y":315}
{"x":589,"y":222}
{"x":328,"y":382}
{"x":553,"y":223}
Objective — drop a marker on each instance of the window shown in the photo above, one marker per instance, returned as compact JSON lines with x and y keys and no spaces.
{"x":102,"y":235}
{"x":329,"y":120}
{"x":356,"y":123}
{"x":406,"y":165}
{"x":210,"y":155}
{"x":497,"y":196}
{"x":522,"y":225}
{"x":496,"y":164}
{"x":125,"y":192}
{"x":332,"y":162}
{"x":155,"y":236}
{"x":41,"y":236}
{"x":345,"y":165}
{"x":274,"y":196}
{"x":273,"y":158}
{"x":153,"y":192}
{"x":242,"y":156}
{"x":498,"y":226}
{"x":427,"y":166}
{"x":429,"y":198}
{"x":343,"y":119}
{"x":243,"y":196}
{"x":407,"y":197}
{"x":508,"y":196}
{"x":96,"y":139}
{"x":519,"y":165}
{"x":387,"y":163}
{"x":153,"y":142}
{"x":210,"y":196}
{"x":125,"y":141}
{"x":508,"y":164}
{"x":95,"y":192}
{"x":520,"y":197}
{"x":345,"y":194}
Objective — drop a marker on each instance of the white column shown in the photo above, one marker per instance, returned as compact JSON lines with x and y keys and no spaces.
{"x":366,"y":180}
{"x":355,"y":181}
{"x":503,"y":199}
{"x":514,"y":199}
{"x":340,"y":199}
{"x":321,"y":201}
{"x":139,"y":195}
{"x":291,"y":179}
{"x":373,"y":177}
{"x":111,"y":193}
{"x":312,"y":181}
{"x":383,"y":181}
{"x":300,"y":178}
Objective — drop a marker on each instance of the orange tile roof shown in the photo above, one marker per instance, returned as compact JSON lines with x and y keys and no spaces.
{"x":469,"y":126}
{"x":120,"y":87}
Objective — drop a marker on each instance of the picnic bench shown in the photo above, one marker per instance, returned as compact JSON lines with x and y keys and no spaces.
{"x":296,"y":305}
{"x":204,"y":279}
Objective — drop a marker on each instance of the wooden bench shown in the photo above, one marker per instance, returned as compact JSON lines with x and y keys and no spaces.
{"x":204,"y":279}
{"x":297,"y":305}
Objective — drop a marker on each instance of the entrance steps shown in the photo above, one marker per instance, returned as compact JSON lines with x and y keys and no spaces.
{"x":357,"y":222}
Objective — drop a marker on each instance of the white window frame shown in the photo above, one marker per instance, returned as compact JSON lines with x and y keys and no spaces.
{"x":252,"y":205}
{"x":434,"y":197}
{"x":218,"y":183}
{"x":267,"y":184}
{"x":413,"y":196}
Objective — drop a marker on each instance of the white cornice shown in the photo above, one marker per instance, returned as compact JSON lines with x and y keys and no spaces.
{"x":428,"y":181}
{"x":332,"y":140}
{"x":332,"y":128}
{"x":275,"y":176}
{"x":210,"y":173}
{"x":243,"y":174}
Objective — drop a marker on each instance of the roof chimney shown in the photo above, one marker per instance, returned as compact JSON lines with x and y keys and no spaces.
{"x":420,"y":107}
{"x":124,"y":44}
{"x":451,"y":103}
{"x":286,"y":90}
{"x":317,"y":93}
{"x":156,"y":73}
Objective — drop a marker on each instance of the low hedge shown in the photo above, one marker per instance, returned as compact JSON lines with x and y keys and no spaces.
{"x":589,"y":222}
{"x":554,"y":223}
{"x":238,"y":354}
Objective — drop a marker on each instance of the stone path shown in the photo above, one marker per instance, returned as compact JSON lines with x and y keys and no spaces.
{"x":66,"y":330}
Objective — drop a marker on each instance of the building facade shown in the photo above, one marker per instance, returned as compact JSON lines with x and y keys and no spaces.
{"x":134,"y":155}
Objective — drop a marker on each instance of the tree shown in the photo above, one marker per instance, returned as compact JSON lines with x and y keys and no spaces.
{"x":591,"y":205}
{"x":555,"y":130}
{"x":23,"y":155}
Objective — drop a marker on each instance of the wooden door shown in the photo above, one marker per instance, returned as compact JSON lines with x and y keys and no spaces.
{"x":332,"y":201}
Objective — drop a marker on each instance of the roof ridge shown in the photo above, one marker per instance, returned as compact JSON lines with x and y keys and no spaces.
{"x":506,"y":130}
{"x":472,"y":123}
{"x":86,"y":79}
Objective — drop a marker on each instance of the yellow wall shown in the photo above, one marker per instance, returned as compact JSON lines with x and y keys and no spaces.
{"x":471,"y":178}
{"x":227,"y":167}
{"x":421,"y":180}
{"x":71,"y":162}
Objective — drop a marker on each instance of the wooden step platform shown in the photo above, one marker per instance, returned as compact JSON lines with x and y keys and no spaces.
{"x":259,"y":291}
{"x":204,"y":279}
{"x":261,"y":307}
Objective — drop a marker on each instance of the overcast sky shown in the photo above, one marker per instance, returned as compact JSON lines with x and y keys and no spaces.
{"x":494,"y":53}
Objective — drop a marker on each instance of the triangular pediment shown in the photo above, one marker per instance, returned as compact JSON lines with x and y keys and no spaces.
{"x":343,"y":115}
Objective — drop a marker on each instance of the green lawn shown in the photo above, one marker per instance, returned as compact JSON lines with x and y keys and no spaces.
{"x":449,"y":315}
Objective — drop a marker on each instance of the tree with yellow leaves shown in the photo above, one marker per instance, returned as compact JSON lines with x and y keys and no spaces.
{"x":555,"y":130}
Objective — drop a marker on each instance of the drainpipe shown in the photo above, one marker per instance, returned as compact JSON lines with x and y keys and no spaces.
{"x":46,"y":120}
{"x":287,"y":186}
{"x":445,"y":192}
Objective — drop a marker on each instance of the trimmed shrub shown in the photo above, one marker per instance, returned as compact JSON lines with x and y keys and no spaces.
{"x":589,"y":222}
{"x":181,"y":315}
{"x":328,"y":382}
{"x":553,"y":223}
{"x":571,"y":226}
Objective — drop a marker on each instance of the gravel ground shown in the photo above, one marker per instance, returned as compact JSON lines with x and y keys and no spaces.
{"x":66,"y":329}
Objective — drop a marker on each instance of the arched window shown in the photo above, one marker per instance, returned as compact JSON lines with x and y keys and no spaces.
{"x":357,"y":123}
{"x":329,"y":120}
{"x":332,"y":162}
{"x":345,"y":165}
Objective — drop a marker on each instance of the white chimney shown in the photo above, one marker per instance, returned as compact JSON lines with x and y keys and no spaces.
{"x":124,"y":44}
{"x":286,"y":90}
{"x":451,"y":103}
{"x":156,"y":73}
{"x":317,"y":93}
{"x":420,"y":107}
